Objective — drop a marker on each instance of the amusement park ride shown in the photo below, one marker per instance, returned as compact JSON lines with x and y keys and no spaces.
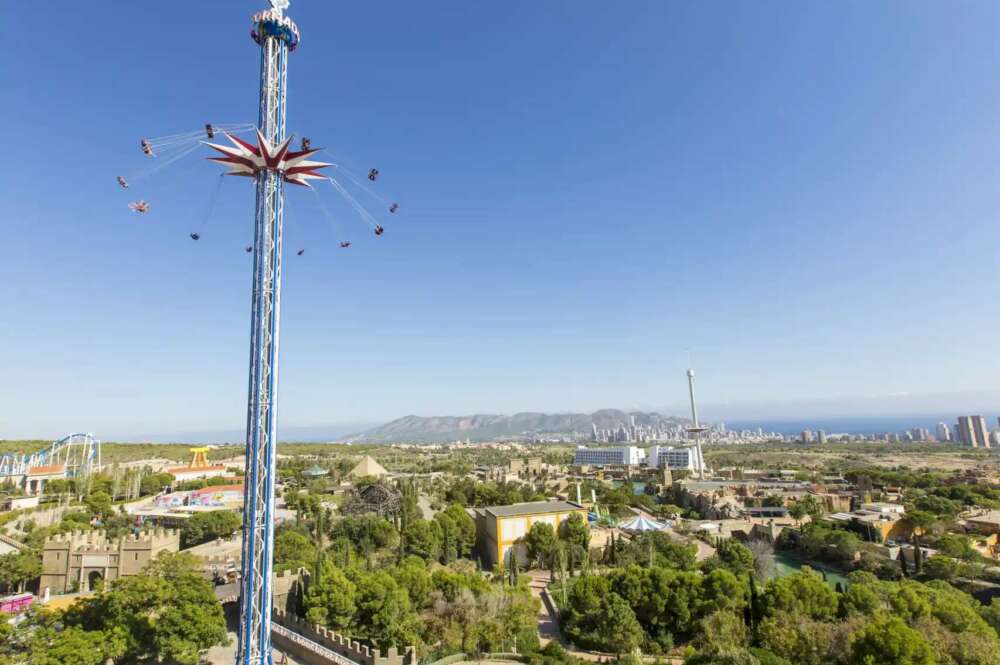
{"x":269,"y":161}
{"x":277,"y":35}
{"x":77,"y":454}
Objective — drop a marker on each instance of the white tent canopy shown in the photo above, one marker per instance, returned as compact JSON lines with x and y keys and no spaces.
{"x":642,"y":523}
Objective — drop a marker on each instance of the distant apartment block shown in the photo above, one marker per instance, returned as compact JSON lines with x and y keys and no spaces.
{"x":617,"y":456}
{"x":972,"y":431}
{"x":943,"y":432}
{"x":675,"y":459}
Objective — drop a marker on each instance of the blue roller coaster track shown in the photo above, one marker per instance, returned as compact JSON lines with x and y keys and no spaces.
{"x":79,"y":453}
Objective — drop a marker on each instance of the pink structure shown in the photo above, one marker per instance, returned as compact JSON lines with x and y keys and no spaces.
{"x":16,"y":604}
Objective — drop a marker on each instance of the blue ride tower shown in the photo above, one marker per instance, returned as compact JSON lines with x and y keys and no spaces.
{"x":277,"y":36}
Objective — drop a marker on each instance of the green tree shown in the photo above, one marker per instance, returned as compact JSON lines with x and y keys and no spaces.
{"x":860,"y":599}
{"x":805,"y":641}
{"x":957,"y":547}
{"x":618,"y":631}
{"x":422,"y":538}
{"x":721,"y":590}
{"x":58,"y":486}
{"x":330,"y":597}
{"x":920,"y":522}
{"x":734,"y":556}
{"x":153,"y":483}
{"x":723,"y":629}
{"x":991,"y":613}
{"x":19,"y":568}
{"x":586,"y":619}
{"x":888,"y":640}
{"x":940,"y":567}
{"x":723,"y":657}
{"x":803,"y":593}
{"x":74,"y":646}
{"x":660,"y":549}
{"x":367,"y":532}
{"x":412,"y":575}
{"x":575,"y":531}
{"x":292,"y":550}
{"x":797,"y":512}
{"x":458,"y":529}
{"x":168,"y":612}
{"x":99,"y":503}
{"x":384,"y":614}
{"x":203,"y":527}
{"x":540,"y":542}
{"x":666,"y":602}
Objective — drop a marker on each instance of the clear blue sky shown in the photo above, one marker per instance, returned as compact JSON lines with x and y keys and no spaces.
{"x":804,"y":194}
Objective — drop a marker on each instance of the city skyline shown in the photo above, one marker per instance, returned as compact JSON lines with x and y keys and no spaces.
{"x":486,"y":302}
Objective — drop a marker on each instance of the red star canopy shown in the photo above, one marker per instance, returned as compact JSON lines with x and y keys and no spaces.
{"x":246,"y":159}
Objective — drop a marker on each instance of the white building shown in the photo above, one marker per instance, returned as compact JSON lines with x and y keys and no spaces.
{"x":19,"y":503}
{"x":617,"y":456}
{"x":883,"y":508}
{"x":676,"y":459}
{"x":943,"y":432}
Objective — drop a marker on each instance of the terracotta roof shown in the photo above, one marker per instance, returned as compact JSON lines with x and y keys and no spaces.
{"x":47,"y":469}
{"x":187,"y":469}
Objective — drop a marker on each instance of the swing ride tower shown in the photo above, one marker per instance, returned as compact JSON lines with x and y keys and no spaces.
{"x":277,"y":36}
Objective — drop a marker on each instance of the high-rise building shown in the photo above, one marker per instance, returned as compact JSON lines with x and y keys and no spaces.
{"x":807,"y":436}
{"x":618,"y":456}
{"x":683,"y":459}
{"x":920,"y":434}
{"x":821,"y":436}
{"x":943,"y":432}
{"x":971,"y":431}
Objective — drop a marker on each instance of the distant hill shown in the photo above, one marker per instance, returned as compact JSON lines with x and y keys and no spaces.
{"x":482,"y":427}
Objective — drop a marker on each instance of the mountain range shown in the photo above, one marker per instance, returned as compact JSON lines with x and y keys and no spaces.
{"x":483,"y":427}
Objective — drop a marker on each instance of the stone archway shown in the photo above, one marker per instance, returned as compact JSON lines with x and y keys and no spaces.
{"x":95,"y":580}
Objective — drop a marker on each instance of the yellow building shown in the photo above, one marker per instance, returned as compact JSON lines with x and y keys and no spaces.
{"x":499,"y":528}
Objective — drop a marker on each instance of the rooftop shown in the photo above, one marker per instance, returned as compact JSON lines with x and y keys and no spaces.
{"x":196,"y":469}
{"x":991,"y":517}
{"x":533,"y":508}
{"x":46,"y":470}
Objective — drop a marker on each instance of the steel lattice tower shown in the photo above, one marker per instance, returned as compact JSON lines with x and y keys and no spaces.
{"x":277,"y":35}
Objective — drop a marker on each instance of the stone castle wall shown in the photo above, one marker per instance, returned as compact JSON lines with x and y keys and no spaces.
{"x":73,"y":559}
{"x":343,"y":645}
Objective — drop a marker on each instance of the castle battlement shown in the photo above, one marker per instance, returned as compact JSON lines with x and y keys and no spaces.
{"x":344,"y":645}
{"x":92,"y":555}
{"x":98,"y":539}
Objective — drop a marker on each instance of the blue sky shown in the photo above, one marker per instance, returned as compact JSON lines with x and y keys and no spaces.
{"x":802,"y":194}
